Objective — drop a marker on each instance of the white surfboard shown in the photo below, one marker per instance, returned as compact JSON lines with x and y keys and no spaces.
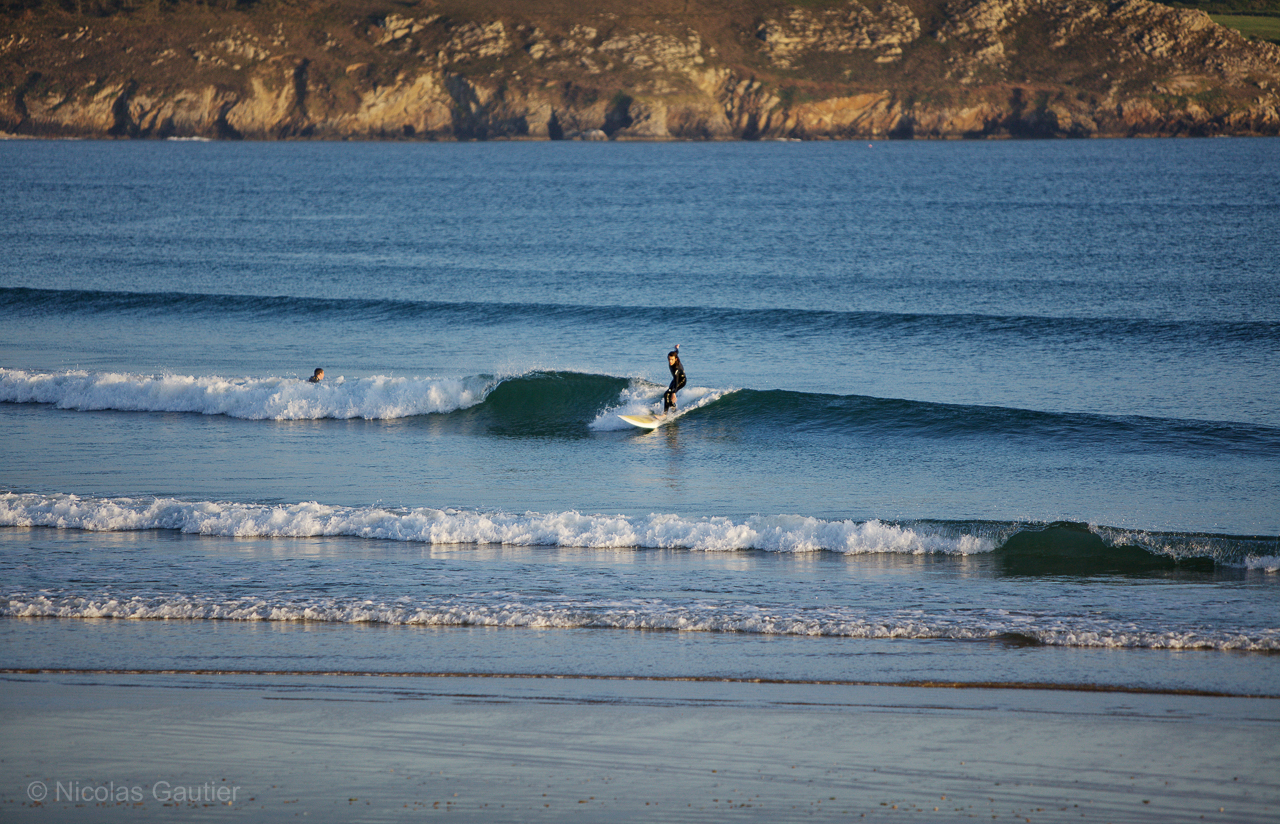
{"x":645,"y":421}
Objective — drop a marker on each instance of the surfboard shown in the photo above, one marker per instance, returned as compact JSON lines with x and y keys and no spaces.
{"x":645,"y":421}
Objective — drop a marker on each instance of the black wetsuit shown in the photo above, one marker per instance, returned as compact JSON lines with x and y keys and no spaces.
{"x":677,"y":383}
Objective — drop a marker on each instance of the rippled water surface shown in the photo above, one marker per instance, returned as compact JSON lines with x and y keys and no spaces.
{"x":987,"y":411}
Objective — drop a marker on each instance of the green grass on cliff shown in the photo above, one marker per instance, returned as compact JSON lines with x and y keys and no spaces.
{"x":1254,"y":27}
{"x":1255,"y":19}
{"x":1230,"y":7}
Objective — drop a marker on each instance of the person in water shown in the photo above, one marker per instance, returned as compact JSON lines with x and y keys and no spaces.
{"x":317,"y":377}
{"x":677,"y":380}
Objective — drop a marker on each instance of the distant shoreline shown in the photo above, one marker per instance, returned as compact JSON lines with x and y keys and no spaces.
{"x":8,"y":136}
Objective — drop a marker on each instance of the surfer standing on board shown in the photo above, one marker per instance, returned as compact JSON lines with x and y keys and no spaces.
{"x":677,"y":380}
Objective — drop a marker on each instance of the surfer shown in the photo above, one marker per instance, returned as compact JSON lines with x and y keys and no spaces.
{"x":677,"y":380}
{"x":317,"y":377}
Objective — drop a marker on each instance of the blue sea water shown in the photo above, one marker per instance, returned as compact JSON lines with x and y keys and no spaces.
{"x":979,"y":412}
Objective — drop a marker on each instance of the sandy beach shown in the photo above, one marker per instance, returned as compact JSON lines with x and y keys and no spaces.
{"x":106,"y":747}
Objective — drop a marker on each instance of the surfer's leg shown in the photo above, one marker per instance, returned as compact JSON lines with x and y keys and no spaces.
{"x":668,"y":401}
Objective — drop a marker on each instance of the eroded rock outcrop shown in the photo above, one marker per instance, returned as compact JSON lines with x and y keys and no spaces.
{"x":844,"y":29}
{"x":918,"y":68}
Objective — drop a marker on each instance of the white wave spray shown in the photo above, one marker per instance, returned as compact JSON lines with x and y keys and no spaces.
{"x":644,"y":398}
{"x":775,"y":533}
{"x":274,"y":398}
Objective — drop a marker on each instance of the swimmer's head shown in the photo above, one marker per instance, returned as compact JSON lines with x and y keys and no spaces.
{"x":318,"y":375}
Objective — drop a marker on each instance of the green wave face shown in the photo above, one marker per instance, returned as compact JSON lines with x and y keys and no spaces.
{"x":543,"y":405}
{"x":1073,"y":549}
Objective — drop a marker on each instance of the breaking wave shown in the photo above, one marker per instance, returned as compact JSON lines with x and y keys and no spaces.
{"x":275,"y":398}
{"x":573,"y":404}
{"x":1020,"y":548}
{"x":777,"y":533}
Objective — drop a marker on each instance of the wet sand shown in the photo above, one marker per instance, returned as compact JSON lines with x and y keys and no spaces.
{"x":111,"y":747}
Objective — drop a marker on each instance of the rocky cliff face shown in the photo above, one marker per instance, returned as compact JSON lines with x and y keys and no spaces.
{"x":497,"y":69}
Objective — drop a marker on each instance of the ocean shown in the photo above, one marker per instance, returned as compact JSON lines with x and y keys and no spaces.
{"x":1001,"y":413}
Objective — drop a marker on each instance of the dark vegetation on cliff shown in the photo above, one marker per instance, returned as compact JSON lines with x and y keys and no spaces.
{"x":641,"y":69}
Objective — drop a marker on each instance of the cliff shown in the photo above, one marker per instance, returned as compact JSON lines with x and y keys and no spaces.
{"x":645,"y":70}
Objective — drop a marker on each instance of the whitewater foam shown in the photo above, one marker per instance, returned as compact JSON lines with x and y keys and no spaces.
{"x":644,"y":398}
{"x":511,"y":610}
{"x":768,"y":533}
{"x":272,"y":398}
{"x":773,"y":533}
{"x":1266,"y":563}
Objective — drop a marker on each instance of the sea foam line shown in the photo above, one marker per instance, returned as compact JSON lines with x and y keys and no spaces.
{"x":647,"y":614}
{"x":273,"y":398}
{"x":775,"y":533}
